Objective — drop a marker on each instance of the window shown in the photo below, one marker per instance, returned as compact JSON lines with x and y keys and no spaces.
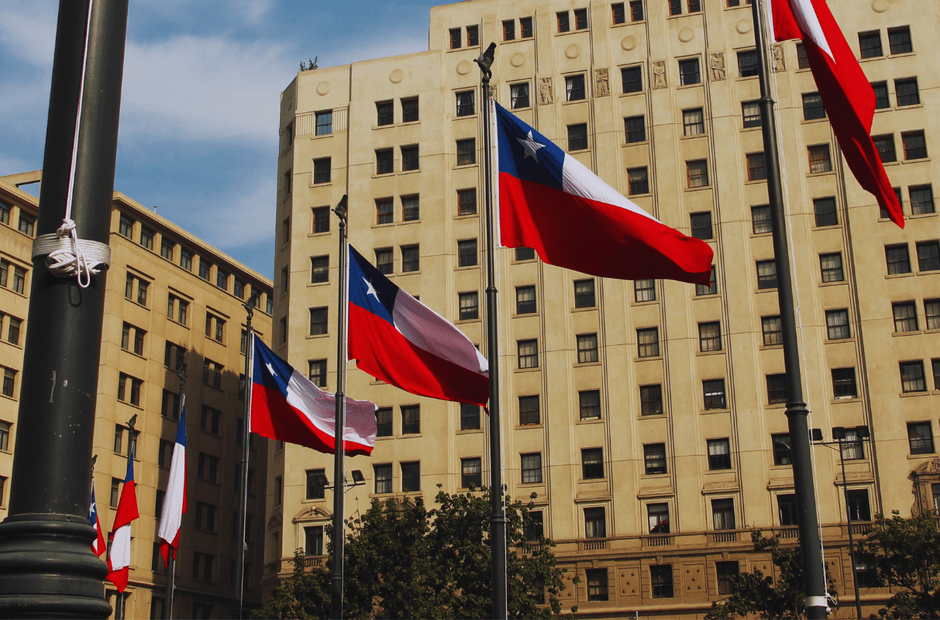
{"x":319,"y":269}
{"x":747,"y":63}
{"x":410,"y":259}
{"x":166,"y":248}
{"x":465,"y":105}
{"x":618,"y":16}
{"x":776,"y":389}
{"x":170,"y":407}
{"x":651,"y":399}
{"x":411,"y":419}
{"x":920,"y":437}
{"x":709,"y":336}
{"x":899,"y":40}
{"x":756,"y":168}
{"x":869,"y":44}
{"x":661,"y":580}
{"x":125,"y":225}
{"x":383,"y":260}
{"x":907,"y":92}
{"x":324,"y":122}
{"x":644,"y":290}
{"x":596,"y":584}
{"x":128,"y":388}
{"x":580,"y":19}
{"x":701,"y":222}
{"x":837,"y":324}
{"x":383,"y":420}
{"x":912,"y":377}
{"x":4,"y":438}
{"x":932,"y":313}
{"x":321,"y":220}
{"x":221,"y":279}
{"x":177,"y":309}
{"x":409,"y":109}
{"x":726,"y":571}
{"x":921,"y":199}
{"x":592,"y":463}
{"x":146,"y":237}
{"x":466,"y":253}
{"x":772,"y":330}
{"x":719,"y":454}
{"x":881,"y":95}
{"x":529,"y":410}
{"x":766,"y":275}
{"x":638,"y":181}
{"x":212,"y":373}
{"x":13,"y":330}
{"x":885,"y":147}
{"x":689,"y":72}
{"x":905,"y":317}
{"x":657,"y":518}
{"x":132,"y":338}
{"x":858,"y":506}
{"x":723,"y":514}
{"x":129,"y":286}
{"x":519,"y":95}
{"x":409,"y":158}
{"x":693,"y":123}
{"x":525,"y":27}
{"x":215,"y":327}
{"x":675,"y":7}
{"x":202,"y":571}
{"x":469,"y":306}
{"x":708,"y":289}
{"x":750,"y":112}
{"x":636,"y":10}
{"x":528,"y":353}
{"x":384,"y":161}
{"x":385,"y":113}
{"x":852,"y":446}
{"x":208,"y":469}
{"x":780,"y":443}
{"x":473,"y":36}
{"x":928,"y":255}
{"x":831,"y":267}
{"x":532,"y":468}
{"x":914,"y":145}
{"x":466,"y":152}
{"x":535,"y":528}
{"x":471,"y":474}
{"x":647,"y":340}
{"x":654,"y":457}
{"x":410,"y":208}
{"x":713,"y":391}
{"x":9,"y":382}
{"x":455,"y":38}
{"x":589,"y":404}
{"x":205,"y":516}
{"x":843,"y":383}
{"x":467,"y":201}
{"x":5,"y":209}
{"x":595,"y":523}
{"x":563,"y":23}
{"x":411,"y":477}
{"x":697,"y":173}
{"x":898,"y":259}
{"x":587,"y":348}
{"x":524,"y":254}
{"x":760,"y":219}
{"x":574,"y":87}
{"x":115,"y":492}
{"x":313,"y":540}
{"x":584,"y":294}
{"x":469,"y":417}
{"x":819,"y":161}
{"x":577,"y":137}
{"x":695,"y":6}
{"x":525,"y":300}
{"x":321,"y":170}
{"x":634,"y":129}
{"x":632,"y":79}
{"x":318,"y":320}
{"x":509,"y":30}
{"x":813,"y":107}
{"x":786,"y":510}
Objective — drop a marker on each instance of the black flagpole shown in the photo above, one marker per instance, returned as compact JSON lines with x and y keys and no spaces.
{"x":498,"y":517}
{"x":240,"y":526}
{"x":814,"y":576}
{"x":339,"y":479}
{"x":171,"y":553}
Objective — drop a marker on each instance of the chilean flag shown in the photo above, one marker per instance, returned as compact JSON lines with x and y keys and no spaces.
{"x":550,"y":202}
{"x":287,"y":406}
{"x":98,"y":547}
{"x":174,"y":502}
{"x":399,"y":340}
{"x":846,"y":93}
{"x":119,"y":559}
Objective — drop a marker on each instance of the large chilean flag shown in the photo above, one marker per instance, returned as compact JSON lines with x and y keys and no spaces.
{"x":399,"y":340}
{"x":119,"y":558}
{"x":550,"y":202}
{"x":846,"y":93}
{"x":174,"y":502}
{"x":287,"y":406}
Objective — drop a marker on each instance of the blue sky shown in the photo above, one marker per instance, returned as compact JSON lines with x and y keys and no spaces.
{"x":199,"y":113}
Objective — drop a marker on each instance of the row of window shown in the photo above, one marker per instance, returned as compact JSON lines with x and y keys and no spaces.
{"x":26,"y":223}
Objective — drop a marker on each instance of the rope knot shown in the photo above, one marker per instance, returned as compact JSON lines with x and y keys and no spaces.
{"x":67,"y":255}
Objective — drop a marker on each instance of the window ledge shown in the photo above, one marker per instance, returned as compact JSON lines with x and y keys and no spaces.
{"x":316,"y":336}
{"x":698,"y":189}
{"x":926,"y":455}
{"x":709,"y":411}
{"x":919,"y":160}
{"x":914,"y":394}
{"x":647,"y":359}
{"x":587,"y":309}
{"x":915,"y":332}
{"x":586,"y":364}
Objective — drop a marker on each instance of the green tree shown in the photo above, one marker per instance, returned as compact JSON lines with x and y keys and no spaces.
{"x":404,"y":561}
{"x":754,"y":593}
{"x":906,"y":555}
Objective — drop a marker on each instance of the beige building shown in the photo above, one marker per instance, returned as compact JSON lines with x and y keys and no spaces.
{"x":647,"y":416}
{"x":170,"y":297}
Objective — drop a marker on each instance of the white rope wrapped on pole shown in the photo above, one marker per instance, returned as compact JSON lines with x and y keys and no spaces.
{"x":68,"y":256}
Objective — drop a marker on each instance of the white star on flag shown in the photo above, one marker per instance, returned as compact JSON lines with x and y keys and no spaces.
{"x":531,"y":147}
{"x":371,"y":290}
{"x":271,"y":369}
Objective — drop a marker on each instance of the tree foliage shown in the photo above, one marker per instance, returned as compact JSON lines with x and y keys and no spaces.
{"x":404,"y":561}
{"x":906,"y":555}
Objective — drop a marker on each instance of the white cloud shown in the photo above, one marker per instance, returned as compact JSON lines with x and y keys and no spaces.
{"x":236,"y":218}
{"x":27,"y":31}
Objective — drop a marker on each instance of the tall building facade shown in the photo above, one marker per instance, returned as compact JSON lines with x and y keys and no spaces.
{"x":170,"y":298}
{"x":647,"y":416}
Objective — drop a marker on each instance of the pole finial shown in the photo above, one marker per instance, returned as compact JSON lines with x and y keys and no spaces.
{"x":485,"y":60}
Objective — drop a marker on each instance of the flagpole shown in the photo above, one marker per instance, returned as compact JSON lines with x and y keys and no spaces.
{"x":339,"y":479}
{"x":498,"y":516}
{"x":814,"y":576}
{"x":171,"y":553}
{"x":243,"y":483}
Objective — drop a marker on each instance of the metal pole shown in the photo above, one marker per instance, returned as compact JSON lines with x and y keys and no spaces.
{"x":339,"y":478}
{"x":848,"y":519}
{"x":814,"y":576}
{"x":498,"y":517}
{"x":46,"y":565}
{"x":171,"y":559}
{"x":240,"y":543}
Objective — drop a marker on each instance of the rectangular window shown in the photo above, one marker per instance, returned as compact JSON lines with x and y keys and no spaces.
{"x":595,"y":523}
{"x":634,"y":129}
{"x":597,"y":583}
{"x":644,"y":290}
{"x":469,"y":306}
{"x":384,"y":161}
{"x":319,"y":269}
{"x":125,"y":225}
{"x":592,"y":463}
{"x":410,"y":258}
{"x":321,"y":170}
{"x":915,"y":147}
{"x":509,"y":30}
{"x":574,"y":87}
{"x":693,"y":122}
{"x":208,"y":469}
{"x":819,"y":160}
{"x":750,"y":112}
{"x":813,"y":107}
{"x":466,"y":252}
{"x":5,"y":209}
{"x":651,"y":399}
{"x":584,"y":294}
{"x":473,"y":36}
{"x":383,"y":420}
{"x":471,"y":473}
{"x":719,"y":454}
{"x":747,"y":63}
{"x":563,"y":23}
{"x":695,"y":6}
{"x":467,"y":201}
{"x":589,"y":404}
{"x":525,"y":27}
{"x":212,"y":373}
{"x":661,"y":580}
{"x":580,"y":19}
{"x":519,"y":95}
{"x":654,"y":458}
{"x":410,"y":419}
{"x":465,"y":106}
{"x":898,"y":259}
{"x":675,"y":7}
{"x":689,"y":72}
{"x":920,"y":437}
{"x":525,"y":300}
{"x":321,"y":220}
{"x":324,"y":122}
{"x":319,"y":319}
{"x":166,"y":248}
{"x":831,"y":267}
{"x":905,"y":317}
{"x":881,"y":95}
{"x":697,"y":173}
{"x":13,"y":331}
{"x":647,"y":340}
{"x":409,"y":157}
{"x":618,"y":16}
{"x":577,"y":137}
{"x":383,"y":260}
{"x":780,"y":443}
{"x":529,"y":410}
{"x":921,"y":199}
{"x":469,"y":417}
{"x":632,"y":79}
{"x":709,"y":336}
{"x":636,"y":10}
{"x":316,"y":372}
{"x":899,"y":40}
{"x":455,"y":38}
{"x":532,"y":468}
{"x":932,"y":313}
{"x":411,"y":477}
{"x":313,"y":540}
{"x":409,"y":109}
{"x":869,"y":44}
{"x":837,"y":324}
{"x":410,"y":208}
{"x":766,"y":275}
{"x":9,"y":382}
{"x":912,"y":377}
{"x":528,"y":353}
{"x":315,"y":483}
{"x":713,"y":391}
{"x":701,"y":224}
{"x":205,"y":516}
{"x":128,"y":388}
{"x":723,"y":514}
{"x":657,"y":518}
{"x":638,"y":181}
{"x":466,"y":152}
{"x":907,"y":92}
{"x":27,"y":225}
{"x":385,"y":113}
{"x":772,"y":330}
{"x":859,"y":508}
{"x":776,"y":389}
{"x":587,"y":348}
{"x":170,"y":407}
{"x":726,"y":572}
{"x":786,"y":510}
{"x":210,"y":419}
{"x":884,"y":144}
{"x":928,"y":255}
{"x":756,"y":167}
{"x":523,"y":254}
{"x":146,"y":237}
{"x":708,"y":289}
{"x":843,"y":383}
